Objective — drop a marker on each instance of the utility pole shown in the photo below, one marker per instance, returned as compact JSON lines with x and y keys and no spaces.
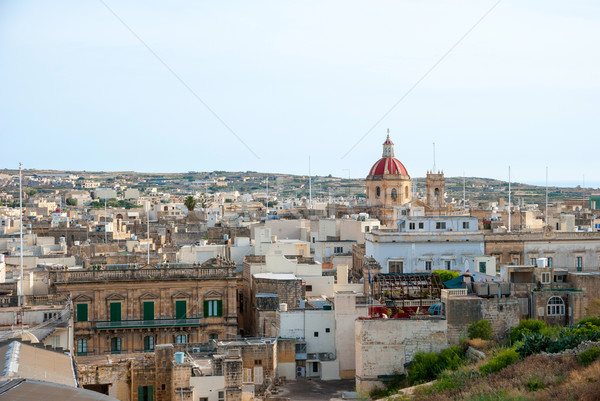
{"x":21,"y":296}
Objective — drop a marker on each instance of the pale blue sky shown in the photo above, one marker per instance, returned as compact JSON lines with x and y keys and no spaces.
{"x":294,"y":79}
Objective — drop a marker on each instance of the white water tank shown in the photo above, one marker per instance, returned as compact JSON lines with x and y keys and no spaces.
{"x":283,"y":307}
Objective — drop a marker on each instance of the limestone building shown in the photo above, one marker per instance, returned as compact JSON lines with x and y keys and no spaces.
{"x":133,"y":309}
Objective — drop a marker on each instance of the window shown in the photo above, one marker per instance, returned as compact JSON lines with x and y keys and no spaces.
{"x":82,"y":312}
{"x":213,"y":307}
{"x":447,"y":264}
{"x":404,"y":212}
{"x":555,"y":307}
{"x":115,"y":345}
{"x":181,"y":309}
{"x":579,"y":263}
{"x":82,"y":347}
{"x":327,"y":330}
{"x":421,"y":226}
{"x":465,"y":225}
{"x":411,"y":226}
{"x":221,"y":396}
{"x":338,"y":249}
{"x":394,"y":193}
{"x":546,"y":278}
{"x":308,"y":288}
{"x":115,"y":311}
{"x":149,"y":343}
{"x":313,"y":240}
{"x":515,"y":261}
{"x":315,"y":367}
{"x":258,"y":362}
{"x":316,"y":334}
{"x":406,"y":192}
{"x":482,"y":267}
{"x":396,"y":267}
{"x":378,"y":192}
{"x":181,"y":339}
{"x":367,"y":229}
{"x":164,"y":387}
{"x":549,"y":262}
{"x":213,"y":336}
{"x":145,"y":393}
{"x":532,"y":261}
{"x":148,"y":310}
{"x":440,"y":225}
{"x":428,"y":265}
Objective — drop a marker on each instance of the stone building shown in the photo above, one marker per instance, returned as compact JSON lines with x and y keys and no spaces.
{"x":388,"y":184}
{"x":576,"y":251}
{"x":134,"y":309}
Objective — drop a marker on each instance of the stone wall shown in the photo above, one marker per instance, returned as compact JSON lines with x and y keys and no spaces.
{"x":461,"y":311}
{"x":385,"y":346}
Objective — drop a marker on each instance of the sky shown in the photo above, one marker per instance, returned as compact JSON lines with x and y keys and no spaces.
{"x":177,"y":86}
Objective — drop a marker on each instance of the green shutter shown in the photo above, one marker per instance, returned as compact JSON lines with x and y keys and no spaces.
{"x":206,"y":308}
{"x":150,"y":393}
{"x":180,"y":309}
{"x":149,"y":310}
{"x":140,"y":393}
{"x":219,"y":308}
{"x":115,"y":311}
{"x":82,"y":312}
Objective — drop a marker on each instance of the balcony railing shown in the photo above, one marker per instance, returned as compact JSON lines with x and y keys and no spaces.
{"x":130,"y":324}
{"x":144,"y":274}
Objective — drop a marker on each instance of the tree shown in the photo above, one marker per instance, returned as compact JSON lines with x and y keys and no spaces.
{"x":71,"y":202}
{"x":190,"y":203}
{"x":204,"y":201}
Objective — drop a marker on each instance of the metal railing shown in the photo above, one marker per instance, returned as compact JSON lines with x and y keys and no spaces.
{"x":144,"y":274}
{"x":124,"y":324}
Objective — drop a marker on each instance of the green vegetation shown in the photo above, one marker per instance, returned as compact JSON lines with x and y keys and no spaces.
{"x":526,"y":327}
{"x":481,"y":329}
{"x":71,"y":202}
{"x":500,"y":361}
{"x":587,"y":357}
{"x":558,"y":339}
{"x":396,"y":382}
{"x":446,"y":275}
{"x":427,"y":366}
{"x":190,"y":203}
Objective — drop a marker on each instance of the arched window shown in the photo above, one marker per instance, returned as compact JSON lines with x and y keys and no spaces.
{"x":394,"y":193}
{"x":406,"y":192}
{"x":436,"y":192}
{"x":378,"y":192}
{"x":181,"y":339}
{"x":555,"y":307}
{"x":213,"y":336}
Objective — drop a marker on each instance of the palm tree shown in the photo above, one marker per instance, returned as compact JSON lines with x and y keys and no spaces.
{"x":190,"y":203}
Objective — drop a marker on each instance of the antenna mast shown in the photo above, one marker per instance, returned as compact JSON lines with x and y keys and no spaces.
{"x":309,"y":186}
{"x":433,"y":158}
{"x":21,"y":296}
{"x":546,"y":213}
{"x":509,"y":208}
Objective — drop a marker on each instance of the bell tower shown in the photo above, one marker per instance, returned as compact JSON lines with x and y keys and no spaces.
{"x":435,"y":184}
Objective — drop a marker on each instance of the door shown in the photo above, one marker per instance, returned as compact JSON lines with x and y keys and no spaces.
{"x":115,"y":311}
{"x":148,"y":310}
{"x":181,"y":309}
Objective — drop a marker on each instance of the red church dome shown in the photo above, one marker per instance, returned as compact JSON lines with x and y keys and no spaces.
{"x":388,"y":164}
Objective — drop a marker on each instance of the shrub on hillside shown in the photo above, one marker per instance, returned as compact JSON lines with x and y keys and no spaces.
{"x":481,"y":329}
{"x":500,"y":361}
{"x":525,"y":327}
{"x":427,"y":366}
{"x":587,"y":357}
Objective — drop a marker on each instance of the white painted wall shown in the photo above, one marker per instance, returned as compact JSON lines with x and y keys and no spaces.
{"x":207,"y":386}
